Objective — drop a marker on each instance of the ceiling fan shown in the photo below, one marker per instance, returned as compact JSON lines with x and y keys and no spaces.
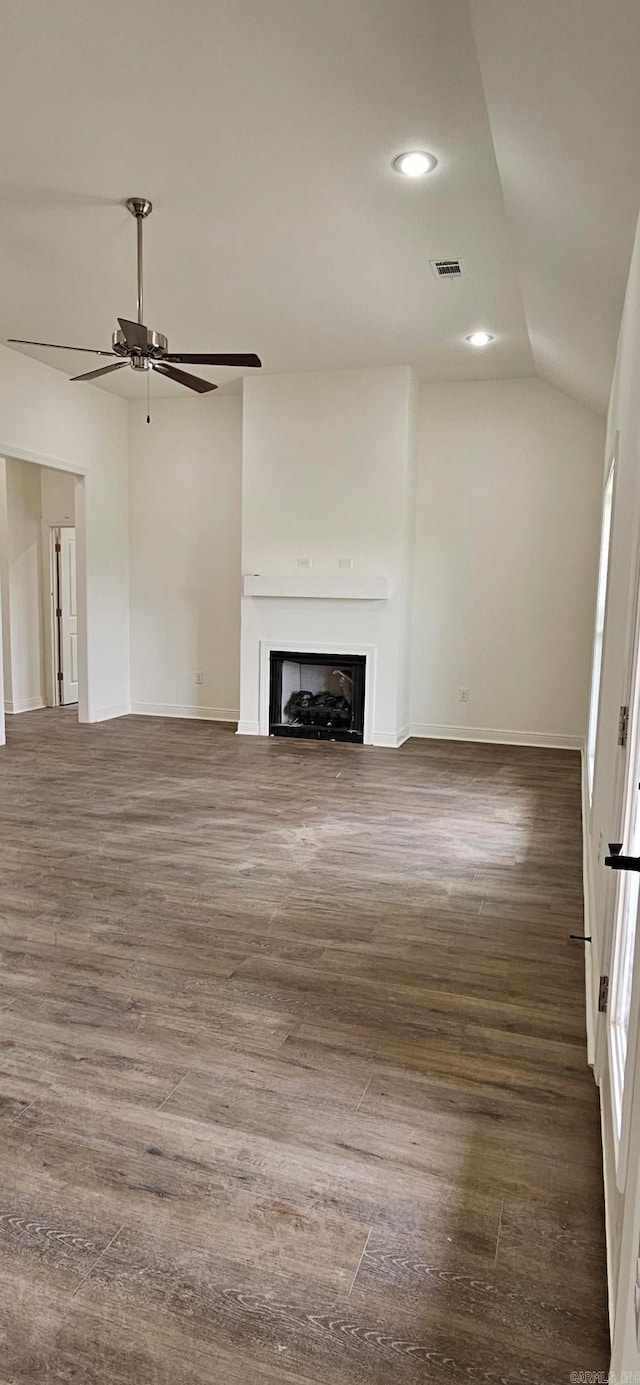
{"x":141,"y":347}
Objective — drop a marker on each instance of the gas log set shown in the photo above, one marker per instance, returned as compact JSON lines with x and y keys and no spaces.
{"x":318,"y":709}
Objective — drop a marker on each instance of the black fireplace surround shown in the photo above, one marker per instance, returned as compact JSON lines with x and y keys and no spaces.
{"x":317,"y":697}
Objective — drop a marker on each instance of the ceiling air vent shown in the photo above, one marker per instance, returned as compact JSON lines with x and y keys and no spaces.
{"x":447,"y":269}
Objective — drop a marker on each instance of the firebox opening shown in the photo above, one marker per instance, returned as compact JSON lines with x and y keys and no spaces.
{"x":317,"y":696}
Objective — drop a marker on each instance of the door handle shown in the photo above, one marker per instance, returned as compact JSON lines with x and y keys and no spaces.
{"x":616,"y":861}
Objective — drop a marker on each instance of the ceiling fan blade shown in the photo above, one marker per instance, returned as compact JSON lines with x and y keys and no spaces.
{"x":208,"y":359}
{"x":91,"y":350}
{"x":134,"y":333}
{"x":104,"y":370}
{"x":192,"y":382}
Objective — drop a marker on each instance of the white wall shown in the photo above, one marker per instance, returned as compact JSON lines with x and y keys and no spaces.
{"x":506,"y":534}
{"x":46,"y":419}
{"x":507,"y":526}
{"x":317,"y":476}
{"x":185,"y":501}
{"x":328,"y":471}
{"x":57,"y":491}
{"x":508,"y":473}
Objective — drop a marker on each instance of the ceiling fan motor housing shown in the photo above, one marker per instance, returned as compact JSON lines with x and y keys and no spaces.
{"x":157,"y":345}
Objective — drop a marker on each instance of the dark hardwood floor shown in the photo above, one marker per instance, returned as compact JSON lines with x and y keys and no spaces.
{"x":293,"y":1081}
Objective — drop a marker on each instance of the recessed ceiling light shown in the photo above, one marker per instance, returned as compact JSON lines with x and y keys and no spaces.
{"x":479,"y":339}
{"x":415,"y":163}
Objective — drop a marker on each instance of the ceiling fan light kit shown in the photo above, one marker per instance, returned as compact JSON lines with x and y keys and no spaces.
{"x":144,"y":349}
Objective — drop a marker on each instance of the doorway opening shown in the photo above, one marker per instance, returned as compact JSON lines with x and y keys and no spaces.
{"x":39,"y":587}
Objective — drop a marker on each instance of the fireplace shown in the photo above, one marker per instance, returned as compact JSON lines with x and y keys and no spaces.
{"x":317,"y":697}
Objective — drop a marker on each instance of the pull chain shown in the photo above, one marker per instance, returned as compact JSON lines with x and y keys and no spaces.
{"x":148,"y":404}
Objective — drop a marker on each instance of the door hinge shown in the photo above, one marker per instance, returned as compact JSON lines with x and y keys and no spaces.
{"x":603,"y":995}
{"x":59,"y":612}
{"x":58,"y":548}
{"x":623,"y":726}
{"x":60,"y":675}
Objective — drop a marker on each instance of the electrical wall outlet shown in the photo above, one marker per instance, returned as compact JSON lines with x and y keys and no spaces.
{"x":345,"y":562}
{"x":303,"y":562}
{"x":463,"y":694}
{"x":199,"y":679}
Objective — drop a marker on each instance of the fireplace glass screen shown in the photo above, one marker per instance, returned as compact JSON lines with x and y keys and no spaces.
{"x":317,"y":696}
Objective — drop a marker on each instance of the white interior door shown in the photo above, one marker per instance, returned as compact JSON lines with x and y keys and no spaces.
{"x":68,"y":618}
{"x":620,"y":1017}
{"x":622,"y":1021}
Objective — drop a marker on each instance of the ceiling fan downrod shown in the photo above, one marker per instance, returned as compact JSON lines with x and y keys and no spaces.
{"x":140,"y":207}
{"x":139,"y":344}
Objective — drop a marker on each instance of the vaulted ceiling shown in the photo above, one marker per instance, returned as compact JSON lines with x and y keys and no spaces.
{"x":264,"y":131}
{"x":562,"y":82}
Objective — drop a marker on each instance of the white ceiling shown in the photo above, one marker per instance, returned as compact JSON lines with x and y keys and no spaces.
{"x":562,"y":79}
{"x":264,"y":130}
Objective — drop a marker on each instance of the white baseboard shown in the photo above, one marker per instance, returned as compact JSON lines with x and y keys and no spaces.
{"x":118,"y":709}
{"x":24,"y":704}
{"x":171,"y":709}
{"x":392,"y":739}
{"x":487,"y":734}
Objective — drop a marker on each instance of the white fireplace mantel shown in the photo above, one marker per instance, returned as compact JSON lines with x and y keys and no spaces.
{"x":347,"y":587}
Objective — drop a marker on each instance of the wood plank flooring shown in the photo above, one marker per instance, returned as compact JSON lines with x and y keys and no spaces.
{"x":293,"y":1082}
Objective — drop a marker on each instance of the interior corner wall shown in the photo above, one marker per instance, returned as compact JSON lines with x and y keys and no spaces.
{"x":508,"y":513}
{"x":185,"y":527}
{"x":408,"y":552}
{"x":45,"y":419}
